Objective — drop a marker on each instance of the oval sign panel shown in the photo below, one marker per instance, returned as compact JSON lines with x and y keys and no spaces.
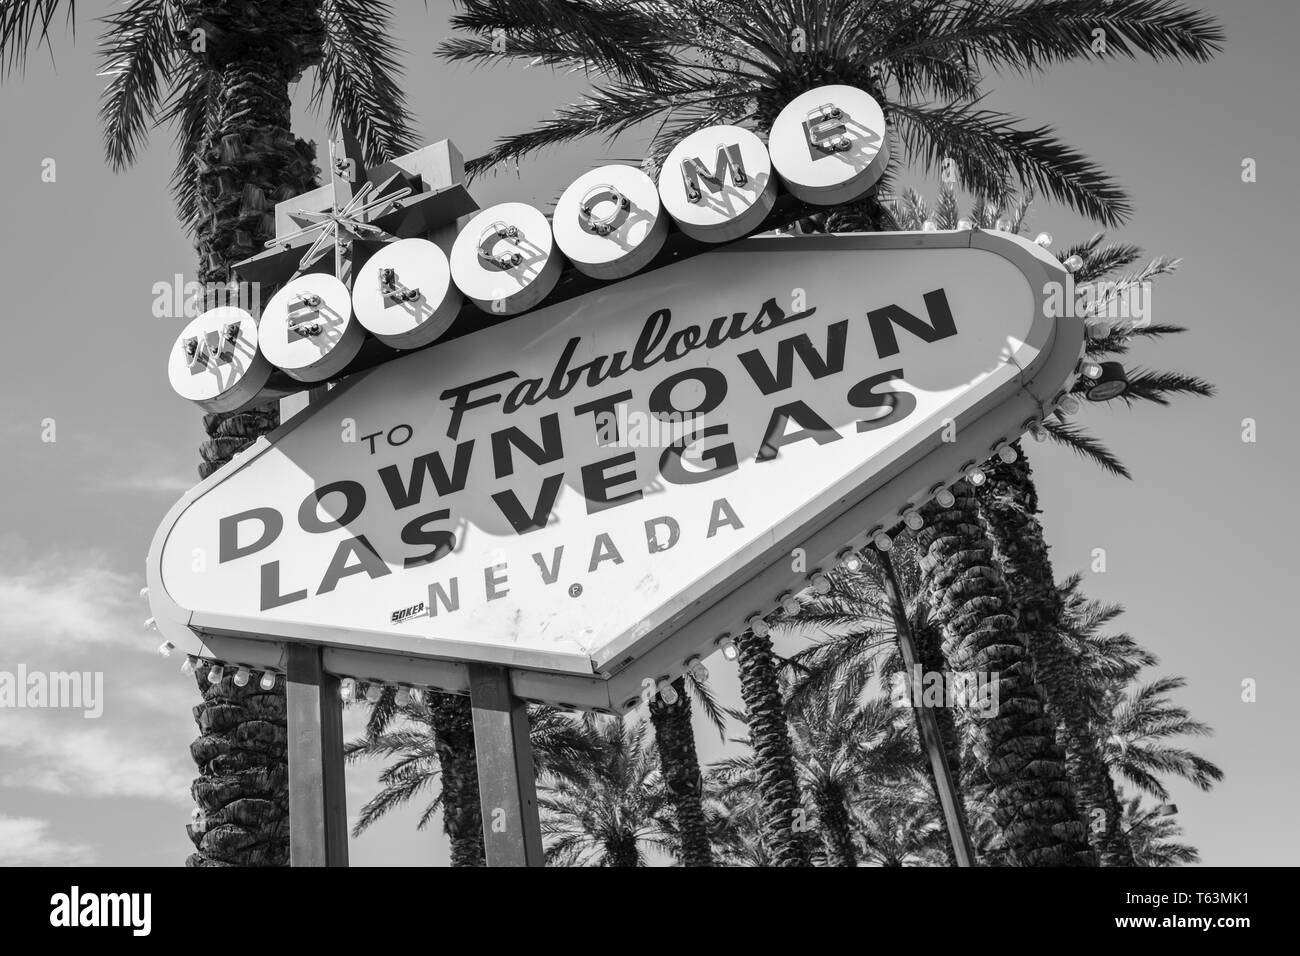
{"x":591,"y":494}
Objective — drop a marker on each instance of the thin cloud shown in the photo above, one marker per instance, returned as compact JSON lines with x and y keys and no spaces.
{"x":26,"y":841}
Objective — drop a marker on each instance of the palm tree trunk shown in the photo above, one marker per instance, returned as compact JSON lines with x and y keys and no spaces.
{"x":836,"y":826}
{"x":243,"y":787}
{"x":248,"y":159}
{"x":770,"y":739}
{"x":462,"y":817}
{"x":1017,"y":746}
{"x":1009,"y":506}
{"x":681,"y":768}
{"x":620,"y":850}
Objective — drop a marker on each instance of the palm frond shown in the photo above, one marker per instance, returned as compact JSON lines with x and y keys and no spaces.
{"x":24,"y":24}
{"x":624,"y":39}
{"x":988,"y":147}
{"x":138,"y":50}
{"x":1149,"y":386}
{"x":192,"y":108}
{"x":1075,"y":438}
{"x":359,"y":73}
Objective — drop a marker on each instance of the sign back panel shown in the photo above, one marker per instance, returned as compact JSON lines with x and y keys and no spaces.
{"x":595,"y":491}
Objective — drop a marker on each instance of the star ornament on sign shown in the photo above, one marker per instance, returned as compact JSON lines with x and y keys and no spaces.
{"x":348,"y":219}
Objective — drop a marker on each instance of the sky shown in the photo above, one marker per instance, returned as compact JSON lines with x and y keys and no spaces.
{"x":96,"y":446}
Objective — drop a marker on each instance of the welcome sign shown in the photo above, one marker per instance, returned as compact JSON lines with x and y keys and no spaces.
{"x":597,"y":491}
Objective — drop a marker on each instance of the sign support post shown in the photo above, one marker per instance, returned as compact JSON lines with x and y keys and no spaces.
{"x":928,"y":722}
{"x":512,"y":832}
{"x":318,"y":822}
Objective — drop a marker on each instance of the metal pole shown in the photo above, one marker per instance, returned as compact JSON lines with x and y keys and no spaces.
{"x":926,"y":720}
{"x":318,"y":815}
{"x":512,"y":832}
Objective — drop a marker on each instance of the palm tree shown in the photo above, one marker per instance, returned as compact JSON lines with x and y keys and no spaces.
{"x":606,"y":805}
{"x":221,"y":71}
{"x":675,"y":742}
{"x":434,"y":749}
{"x":1131,"y":722}
{"x":691,"y":64}
{"x":1009,"y":499}
{"x":856,"y":642}
{"x":1152,"y":833}
{"x":1135,"y":749}
{"x":1017,"y":747}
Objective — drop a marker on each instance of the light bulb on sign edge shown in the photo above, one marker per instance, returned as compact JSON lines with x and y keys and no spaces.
{"x":166,"y":648}
{"x":882,"y":541}
{"x":965,"y":224}
{"x":1006,"y":453}
{"x":241,"y":677}
{"x":144,"y":593}
{"x":912,"y":518}
{"x":348,"y":689}
{"x":728,"y":647}
{"x":789,"y":604}
{"x":667,"y":693}
{"x":929,"y":226}
{"x":1073,"y":263}
{"x":1037,"y":431}
{"x":850,"y":561}
{"x":695,"y":667}
{"x":402,"y":697}
{"x":268,"y":680}
{"x":945,"y":498}
{"x":758,"y":625}
{"x":1068,"y":404}
{"x":1043,"y":239}
{"x":1091,"y":370}
{"x":188,"y":666}
{"x":1003,"y":225}
{"x":821,"y":583}
{"x":151,"y":624}
{"x":215,"y":673}
{"x":975,"y":475}
{"x":374,"y":690}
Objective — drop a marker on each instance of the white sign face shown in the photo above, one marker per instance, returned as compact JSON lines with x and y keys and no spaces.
{"x":609,"y":222}
{"x":717,"y":183}
{"x":404,"y":295}
{"x":829,"y":145}
{"x":215,"y":361}
{"x":525,"y":494}
{"x":308,"y":329}
{"x":505,"y":259}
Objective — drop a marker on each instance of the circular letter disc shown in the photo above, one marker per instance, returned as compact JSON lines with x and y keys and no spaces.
{"x":505,"y":259}
{"x":414,"y":303}
{"x":308,"y":330}
{"x":215,"y":362}
{"x":710,"y":195}
{"x":829,"y":145}
{"x":609,"y":222}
